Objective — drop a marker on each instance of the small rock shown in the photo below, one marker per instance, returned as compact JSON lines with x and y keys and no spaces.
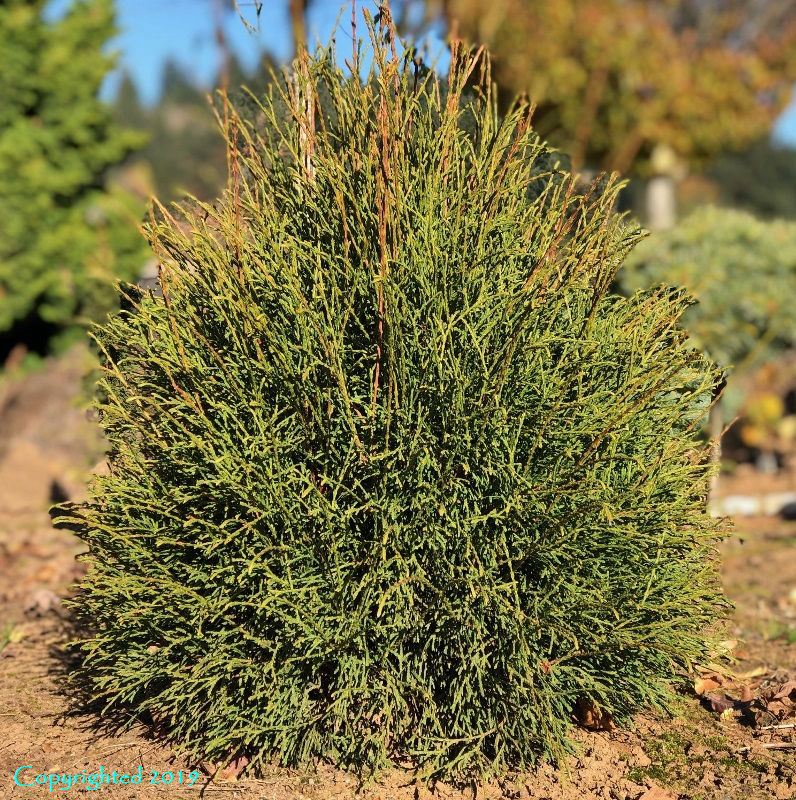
{"x":656,"y":792}
{"x":42,"y":601}
{"x":782,"y":791}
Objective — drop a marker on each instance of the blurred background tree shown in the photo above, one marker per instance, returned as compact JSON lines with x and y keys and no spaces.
{"x":651,"y":89}
{"x":713,"y":252}
{"x":742,"y":272}
{"x":184,"y":152}
{"x":65,"y":234}
{"x":760,"y":179}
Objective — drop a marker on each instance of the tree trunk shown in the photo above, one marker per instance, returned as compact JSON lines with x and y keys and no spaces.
{"x":297,"y":26}
{"x":715,"y":426}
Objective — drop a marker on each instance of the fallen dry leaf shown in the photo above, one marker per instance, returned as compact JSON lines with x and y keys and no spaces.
{"x":780,"y":709}
{"x":234,"y":769}
{"x":708,"y":683}
{"x":780,"y":701}
{"x":42,"y":601}
{"x":720,"y":703}
{"x":775,"y":704}
{"x":759,"y":718}
{"x":588,"y":715}
{"x":230,"y":772}
{"x":715,"y":669}
{"x":787,"y":690}
{"x":756,"y":672}
{"x":726,"y":715}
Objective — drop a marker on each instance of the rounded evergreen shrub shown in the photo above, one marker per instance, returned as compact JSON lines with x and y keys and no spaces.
{"x":393,"y":478}
{"x":741,"y":269}
{"x":742,"y":272}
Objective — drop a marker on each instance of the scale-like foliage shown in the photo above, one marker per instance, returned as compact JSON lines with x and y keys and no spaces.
{"x":393,"y":478}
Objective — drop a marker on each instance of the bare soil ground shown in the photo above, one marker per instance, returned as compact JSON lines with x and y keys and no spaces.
{"x":48,"y":447}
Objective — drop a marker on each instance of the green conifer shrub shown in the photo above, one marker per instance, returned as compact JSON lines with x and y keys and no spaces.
{"x":393,"y":478}
{"x":742,"y":272}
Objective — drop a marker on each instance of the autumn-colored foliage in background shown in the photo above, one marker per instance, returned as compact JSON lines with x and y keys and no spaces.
{"x":612,"y":79}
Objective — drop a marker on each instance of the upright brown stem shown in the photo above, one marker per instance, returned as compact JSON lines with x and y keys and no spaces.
{"x":221,"y":41}
{"x":297,"y":26}
{"x":354,"y":48}
{"x":383,"y":199}
{"x":382,"y":202}
{"x":305,"y":113}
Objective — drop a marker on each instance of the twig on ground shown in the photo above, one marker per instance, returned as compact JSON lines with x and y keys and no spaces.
{"x":772,"y":746}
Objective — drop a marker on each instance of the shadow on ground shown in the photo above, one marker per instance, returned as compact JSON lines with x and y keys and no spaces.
{"x":48,"y":447}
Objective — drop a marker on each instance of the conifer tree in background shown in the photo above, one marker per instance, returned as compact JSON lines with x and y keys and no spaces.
{"x":64,"y":235}
{"x":128,"y":110}
{"x":184,"y":150}
{"x":184,"y":153}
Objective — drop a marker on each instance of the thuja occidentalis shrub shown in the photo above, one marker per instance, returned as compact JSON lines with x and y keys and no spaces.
{"x":393,"y":478}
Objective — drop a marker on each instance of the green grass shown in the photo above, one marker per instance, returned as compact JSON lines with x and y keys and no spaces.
{"x":9,"y":634}
{"x":777,"y":629}
{"x":675,"y":764}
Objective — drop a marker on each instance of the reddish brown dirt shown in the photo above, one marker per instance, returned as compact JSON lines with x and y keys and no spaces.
{"x":745,"y":479}
{"x":47,"y":448}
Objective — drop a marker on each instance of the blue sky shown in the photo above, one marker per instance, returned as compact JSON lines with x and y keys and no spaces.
{"x":152,"y":31}
{"x":785,"y":129}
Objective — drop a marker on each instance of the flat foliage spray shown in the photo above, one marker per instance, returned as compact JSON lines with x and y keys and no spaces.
{"x":393,"y":477}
